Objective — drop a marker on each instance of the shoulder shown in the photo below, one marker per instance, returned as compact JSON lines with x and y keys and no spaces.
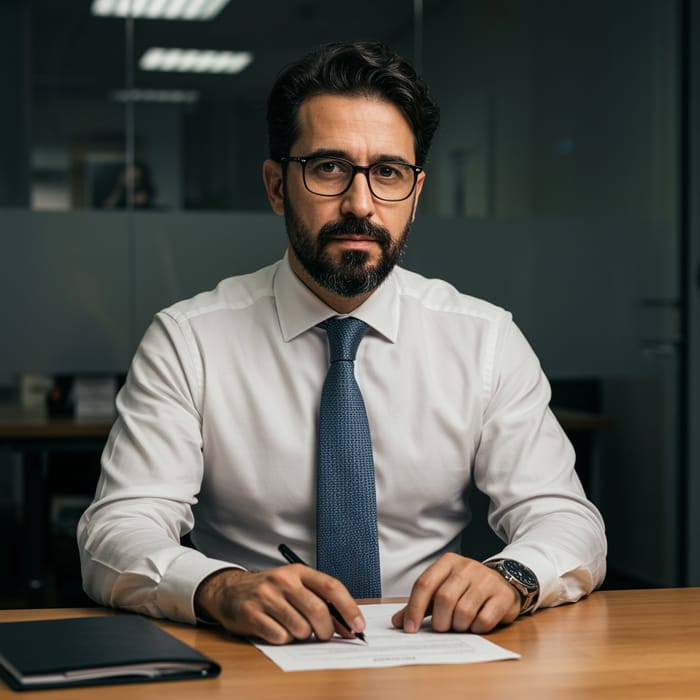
{"x":438,"y":297}
{"x":232,"y":294}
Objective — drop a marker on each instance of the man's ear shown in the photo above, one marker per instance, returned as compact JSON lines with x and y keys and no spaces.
{"x":274,"y":185}
{"x":416,"y":196}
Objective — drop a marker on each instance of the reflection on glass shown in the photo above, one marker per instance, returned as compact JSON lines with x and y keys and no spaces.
{"x":203,"y":136}
{"x":133,"y":186}
{"x":158,"y":9}
{"x":549,"y":110}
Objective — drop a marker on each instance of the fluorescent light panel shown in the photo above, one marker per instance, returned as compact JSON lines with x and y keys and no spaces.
{"x":159,"y":9}
{"x":145,"y":95}
{"x":194,"y":61}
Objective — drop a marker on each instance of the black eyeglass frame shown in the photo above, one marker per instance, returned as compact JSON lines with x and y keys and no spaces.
{"x":364,"y":169}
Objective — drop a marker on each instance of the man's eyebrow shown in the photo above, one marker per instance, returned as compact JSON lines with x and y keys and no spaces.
{"x":339,"y":153}
{"x":330,"y":152}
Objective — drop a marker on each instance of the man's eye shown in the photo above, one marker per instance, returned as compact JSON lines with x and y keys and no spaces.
{"x":387,"y":172}
{"x":330,"y":167}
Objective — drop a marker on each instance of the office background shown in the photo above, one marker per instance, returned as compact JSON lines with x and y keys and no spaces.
{"x":560,"y":186}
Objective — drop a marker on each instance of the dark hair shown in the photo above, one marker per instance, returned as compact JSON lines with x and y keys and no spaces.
{"x":361,"y":68}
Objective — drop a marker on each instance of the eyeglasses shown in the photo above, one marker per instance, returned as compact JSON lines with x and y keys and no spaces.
{"x":328,"y":176}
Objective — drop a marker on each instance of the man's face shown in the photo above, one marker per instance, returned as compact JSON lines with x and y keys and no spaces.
{"x":345,"y":246}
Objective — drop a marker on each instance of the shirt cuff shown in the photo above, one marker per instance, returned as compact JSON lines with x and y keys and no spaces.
{"x":175,"y":595}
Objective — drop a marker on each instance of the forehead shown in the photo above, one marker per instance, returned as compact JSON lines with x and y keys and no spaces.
{"x":362,"y":127}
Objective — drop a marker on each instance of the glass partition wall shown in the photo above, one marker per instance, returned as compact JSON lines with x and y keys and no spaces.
{"x":109,"y":89}
{"x":552,"y":189}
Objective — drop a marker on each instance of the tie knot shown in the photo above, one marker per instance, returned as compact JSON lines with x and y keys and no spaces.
{"x":344,"y":336}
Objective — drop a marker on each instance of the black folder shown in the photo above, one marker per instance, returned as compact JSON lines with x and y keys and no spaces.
{"x":95,"y":651}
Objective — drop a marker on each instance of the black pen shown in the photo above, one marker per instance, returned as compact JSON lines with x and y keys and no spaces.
{"x":293,"y":558}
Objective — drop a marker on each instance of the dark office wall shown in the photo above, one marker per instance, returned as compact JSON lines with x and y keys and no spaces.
{"x":15,"y":90}
{"x":224,"y":146}
{"x":86,"y":284}
{"x":553,"y":109}
{"x":692,"y":280}
{"x":89,"y":282}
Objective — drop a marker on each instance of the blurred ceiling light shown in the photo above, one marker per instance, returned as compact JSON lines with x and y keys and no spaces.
{"x":143,"y":95}
{"x":158,"y":9}
{"x":195,"y":61}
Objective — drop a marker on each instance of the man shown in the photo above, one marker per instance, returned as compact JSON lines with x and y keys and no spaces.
{"x":218,"y":420}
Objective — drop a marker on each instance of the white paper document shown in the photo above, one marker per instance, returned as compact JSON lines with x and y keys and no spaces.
{"x":386,"y":646}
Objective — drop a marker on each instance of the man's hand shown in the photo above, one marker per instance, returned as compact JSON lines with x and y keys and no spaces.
{"x":462,"y":594}
{"x":278,"y":605}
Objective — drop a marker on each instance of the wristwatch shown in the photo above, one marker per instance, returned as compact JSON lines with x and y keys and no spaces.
{"x":521,"y":578}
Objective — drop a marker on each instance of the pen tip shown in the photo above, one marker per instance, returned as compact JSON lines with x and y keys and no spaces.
{"x":361,"y":636}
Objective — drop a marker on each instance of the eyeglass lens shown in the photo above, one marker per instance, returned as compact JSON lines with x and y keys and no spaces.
{"x":332,"y":176}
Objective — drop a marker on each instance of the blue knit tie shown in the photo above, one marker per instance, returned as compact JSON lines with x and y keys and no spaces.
{"x":346,"y":520}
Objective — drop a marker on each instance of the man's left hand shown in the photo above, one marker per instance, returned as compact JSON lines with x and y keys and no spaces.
{"x":462,"y":595}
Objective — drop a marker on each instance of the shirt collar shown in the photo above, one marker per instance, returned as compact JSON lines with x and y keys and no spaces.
{"x":299,"y":309}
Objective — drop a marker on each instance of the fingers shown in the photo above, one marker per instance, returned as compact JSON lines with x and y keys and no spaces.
{"x":279,"y":605}
{"x":277,"y":608}
{"x":497,"y":611}
{"x":421,"y":598}
{"x":332,"y":591}
{"x":462,"y":595}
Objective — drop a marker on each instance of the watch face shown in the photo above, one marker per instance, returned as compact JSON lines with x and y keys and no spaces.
{"x":521,"y":573}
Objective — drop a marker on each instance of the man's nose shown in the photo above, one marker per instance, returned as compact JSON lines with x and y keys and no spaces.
{"x":358,"y":199}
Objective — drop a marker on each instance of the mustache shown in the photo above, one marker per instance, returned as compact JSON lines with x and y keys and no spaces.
{"x":352,"y":225}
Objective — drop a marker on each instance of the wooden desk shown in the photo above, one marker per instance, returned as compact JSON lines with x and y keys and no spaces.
{"x":33,"y":435}
{"x":615,"y":645}
{"x":18,"y":425}
{"x":573,"y":421}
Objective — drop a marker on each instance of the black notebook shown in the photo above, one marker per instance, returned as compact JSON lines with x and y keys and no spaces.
{"x":94,"y":651}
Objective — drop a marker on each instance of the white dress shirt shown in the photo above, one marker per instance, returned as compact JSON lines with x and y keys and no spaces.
{"x":216,"y":434}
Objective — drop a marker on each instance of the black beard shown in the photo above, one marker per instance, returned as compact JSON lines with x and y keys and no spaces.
{"x":352,"y":276}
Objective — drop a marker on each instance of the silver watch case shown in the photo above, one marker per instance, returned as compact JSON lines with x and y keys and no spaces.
{"x":521,"y":578}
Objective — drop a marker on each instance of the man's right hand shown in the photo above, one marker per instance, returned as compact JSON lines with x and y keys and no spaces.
{"x":278,"y":605}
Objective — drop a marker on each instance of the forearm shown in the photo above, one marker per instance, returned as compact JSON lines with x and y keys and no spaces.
{"x":133,"y":562}
{"x":211,"y":591}
{"x":152,"y":466}
{"x":563,"y":542}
